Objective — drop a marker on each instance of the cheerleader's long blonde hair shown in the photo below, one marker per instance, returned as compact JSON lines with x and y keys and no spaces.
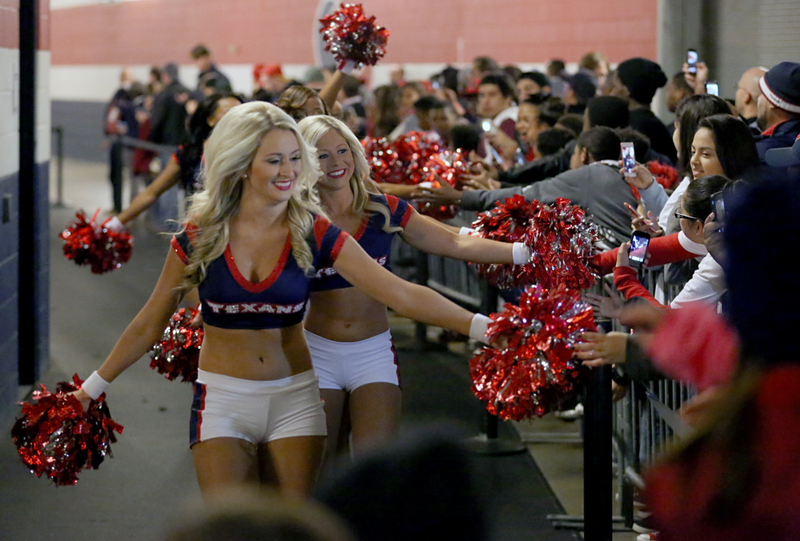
{"x":313,"y":128}
{"x":228,"y":156}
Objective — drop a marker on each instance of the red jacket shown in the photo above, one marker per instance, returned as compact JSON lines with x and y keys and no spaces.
{"x":678,"y":492}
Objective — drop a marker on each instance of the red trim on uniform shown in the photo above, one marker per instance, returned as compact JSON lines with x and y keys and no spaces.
{"x":269,"y":280}
{"x":337,"y":246}
{"x":406,"y":216}
{"x":362,"y":228}
{"x":392,"y":201}
{"x":179,"y":250}
{"x":191,"y":231}
{"x":321,"y":226}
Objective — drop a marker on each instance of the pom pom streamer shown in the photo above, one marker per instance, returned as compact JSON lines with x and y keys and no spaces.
{"x":57,"y":438}
{"x":350,"y":35}
{"x":178,"y":352}
{"x":88,"y":243}
{"x":561,"y":238}
{"x":403,"y":160}
{"x":450,"y":167}
{"x":536,"y":370}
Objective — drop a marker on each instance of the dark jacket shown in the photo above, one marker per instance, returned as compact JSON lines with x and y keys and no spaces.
{"x":543,"y":168}
{"x":599,"y":189}
{"x":169,"y":115}
{"x":645,"y":121}
{"x":780,"y":135}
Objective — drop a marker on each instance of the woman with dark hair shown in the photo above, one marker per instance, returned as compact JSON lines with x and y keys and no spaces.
{"x":727,"y":140}
{"x":184,"y":164}
{"x":687,"y":117}
{"x":382,"y":112}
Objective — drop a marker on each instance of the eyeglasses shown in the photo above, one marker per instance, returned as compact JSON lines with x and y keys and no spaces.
{"x":679,"y":215}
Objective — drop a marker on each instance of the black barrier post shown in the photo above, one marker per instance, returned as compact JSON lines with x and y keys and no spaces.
{"x":116,"y":173}
{"x":597,"y":473}
{"x":423,"y":274}
{"x":489,"y":443}
{"x":58,"y":133}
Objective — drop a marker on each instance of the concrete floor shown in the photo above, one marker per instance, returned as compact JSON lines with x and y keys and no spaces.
{"x":153,"y":466}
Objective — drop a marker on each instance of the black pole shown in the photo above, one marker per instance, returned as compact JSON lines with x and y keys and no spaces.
{"x":597,"y":472}
{"x":28,"y":215}
{"x":58,"y":134}
{"x":423,"y":274}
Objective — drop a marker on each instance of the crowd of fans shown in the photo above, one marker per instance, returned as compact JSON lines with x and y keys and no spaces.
{"x":558,"y":134}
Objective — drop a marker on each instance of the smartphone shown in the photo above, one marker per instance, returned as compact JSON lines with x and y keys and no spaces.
{"x":628,"y":159}
{"x":712,"y":88}
{"x":691,"y":59}
{"x":718,"y":207}
{"x":486,"y":125}
{"x":638,"y":250}
{"x":435,"y":85}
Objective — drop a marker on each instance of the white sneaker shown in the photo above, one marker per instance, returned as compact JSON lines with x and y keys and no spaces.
{"x":571,"y":415}
{"x":651,"y":536}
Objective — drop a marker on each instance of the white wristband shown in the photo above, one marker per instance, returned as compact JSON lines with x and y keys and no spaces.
{"x":520,"y":253}
{"x":478,"y":328}
{"x":466,"y":231}
{"x":94,"y":385}
{"x":347,"y":67}
{"x":115,"y":225}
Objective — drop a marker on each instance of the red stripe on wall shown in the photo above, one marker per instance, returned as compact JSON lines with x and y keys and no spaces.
{"x":9,"y":24}
{"x":251,"y":31}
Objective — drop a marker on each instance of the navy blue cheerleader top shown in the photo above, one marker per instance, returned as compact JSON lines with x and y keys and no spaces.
{"x":372,"y":238}
{"x":230,"y":301}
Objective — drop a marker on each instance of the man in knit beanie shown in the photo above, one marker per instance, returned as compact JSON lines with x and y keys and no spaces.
{"x":637,"y":80}
{"x":779,"y":107}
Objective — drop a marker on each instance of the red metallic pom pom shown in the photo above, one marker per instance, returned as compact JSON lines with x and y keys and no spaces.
{"x":381,"y":158}
{"x":535,"y":371}
{"x":88,"y":243}
{"x":350,"y":35}
{"x":450,"y":167}
{"x":560,"y":236}
{"x":403,"y":160}
{"x":178,"y":352}
{"x":57,"y":438}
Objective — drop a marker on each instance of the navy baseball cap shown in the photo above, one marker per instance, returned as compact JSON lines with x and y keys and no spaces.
{"x":784,"y":157}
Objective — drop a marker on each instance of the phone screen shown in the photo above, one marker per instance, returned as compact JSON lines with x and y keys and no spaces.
{"x":628,"y":159}
{"x":712,"y":88}
{"x":691,"y":59}
{"x":638,"y":250}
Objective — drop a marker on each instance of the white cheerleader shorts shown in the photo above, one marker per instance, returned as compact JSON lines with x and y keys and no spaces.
{"x":349,"y":365}
{"x":256,"y":411}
